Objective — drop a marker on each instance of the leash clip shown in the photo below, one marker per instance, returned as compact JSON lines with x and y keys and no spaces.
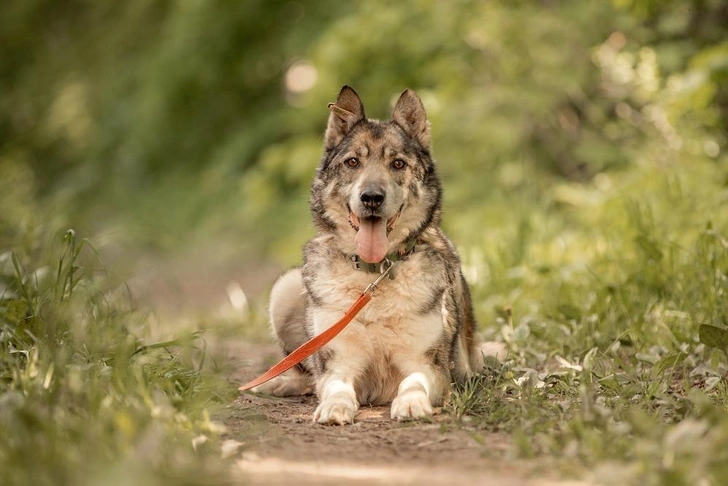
{"x":384,"y":268}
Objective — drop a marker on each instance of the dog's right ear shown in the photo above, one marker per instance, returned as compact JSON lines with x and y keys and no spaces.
{"x":345,"y":113}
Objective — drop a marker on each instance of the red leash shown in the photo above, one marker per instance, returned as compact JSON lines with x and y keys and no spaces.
{"x":317,"y":342}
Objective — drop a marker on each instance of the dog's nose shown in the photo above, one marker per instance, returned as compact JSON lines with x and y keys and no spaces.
{"x":372,"y":197}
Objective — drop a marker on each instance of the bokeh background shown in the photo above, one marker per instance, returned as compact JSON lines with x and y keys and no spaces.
{"x":173,"y":125}
{"x":582,"y":146}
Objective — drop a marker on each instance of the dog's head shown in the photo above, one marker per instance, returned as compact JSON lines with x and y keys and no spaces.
{"x":376,"y":186}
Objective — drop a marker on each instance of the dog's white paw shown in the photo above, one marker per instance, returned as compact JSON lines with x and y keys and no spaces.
{"x":339,"y":409}
{"x":285,"y":386}
{"x":411,"y":404}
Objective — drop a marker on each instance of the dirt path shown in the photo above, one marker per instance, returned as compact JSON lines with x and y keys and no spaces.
{"x":282,"y":444}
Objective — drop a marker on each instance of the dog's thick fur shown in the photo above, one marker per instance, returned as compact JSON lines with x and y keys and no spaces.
{"x":376,"y":190}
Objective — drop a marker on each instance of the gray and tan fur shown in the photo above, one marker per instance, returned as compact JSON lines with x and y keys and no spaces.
{"x":417,"y":335}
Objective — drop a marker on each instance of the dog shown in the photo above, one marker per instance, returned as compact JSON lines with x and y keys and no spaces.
{"x":376,"y":198}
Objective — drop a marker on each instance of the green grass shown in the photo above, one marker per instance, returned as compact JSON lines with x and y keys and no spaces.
{"x":611,"y":298}
{"x":583,"y":151}
{"x":614,"y":305}
{"x":85,"y":396}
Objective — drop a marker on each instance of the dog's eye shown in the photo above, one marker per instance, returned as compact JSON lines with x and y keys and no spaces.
{"x":398,"y":164}
{"x":352,"y":162}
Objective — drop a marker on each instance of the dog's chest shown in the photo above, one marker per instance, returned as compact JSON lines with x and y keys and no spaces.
{"x":404,"y":311}
{"x":393,"y":332}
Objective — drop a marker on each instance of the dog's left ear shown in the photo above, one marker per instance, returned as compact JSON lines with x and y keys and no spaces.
{"x":409,"y":113}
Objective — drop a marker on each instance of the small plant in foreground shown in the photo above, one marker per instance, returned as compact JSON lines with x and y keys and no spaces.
{"x":82,"y":395}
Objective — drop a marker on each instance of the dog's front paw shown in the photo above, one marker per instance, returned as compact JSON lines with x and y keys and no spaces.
{"x":411,"y":404}
{"x":338,"y":409}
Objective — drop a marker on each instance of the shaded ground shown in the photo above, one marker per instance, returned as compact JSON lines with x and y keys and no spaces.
{"x":283,"y":444}
{"x":200,"y":282}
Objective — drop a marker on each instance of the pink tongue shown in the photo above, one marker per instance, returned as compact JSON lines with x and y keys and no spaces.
{"x":371,"y":240}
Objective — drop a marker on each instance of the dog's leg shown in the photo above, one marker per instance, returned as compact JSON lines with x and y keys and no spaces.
{"x":293,"y":382}
{"x":488,"y":349}
{"x":287,"y":318}
{"x":425,"y":370}
{"x":338,"y":400}
{"x":287,"y":310}
{"x":340,"y":364}
{"x":413,"y":397}
{"x":418,"y":392}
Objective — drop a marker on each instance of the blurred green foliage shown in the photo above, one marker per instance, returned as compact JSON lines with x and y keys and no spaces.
{"x":173,"y":116}
{"x":583,"y":149}
{"x":82,"y":398}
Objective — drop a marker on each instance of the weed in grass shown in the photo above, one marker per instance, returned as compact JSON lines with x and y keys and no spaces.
{"x":617,"y":364}
{"x":86,"y":398}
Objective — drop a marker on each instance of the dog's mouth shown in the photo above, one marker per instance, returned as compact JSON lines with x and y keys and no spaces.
{"x":371,"y":235}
